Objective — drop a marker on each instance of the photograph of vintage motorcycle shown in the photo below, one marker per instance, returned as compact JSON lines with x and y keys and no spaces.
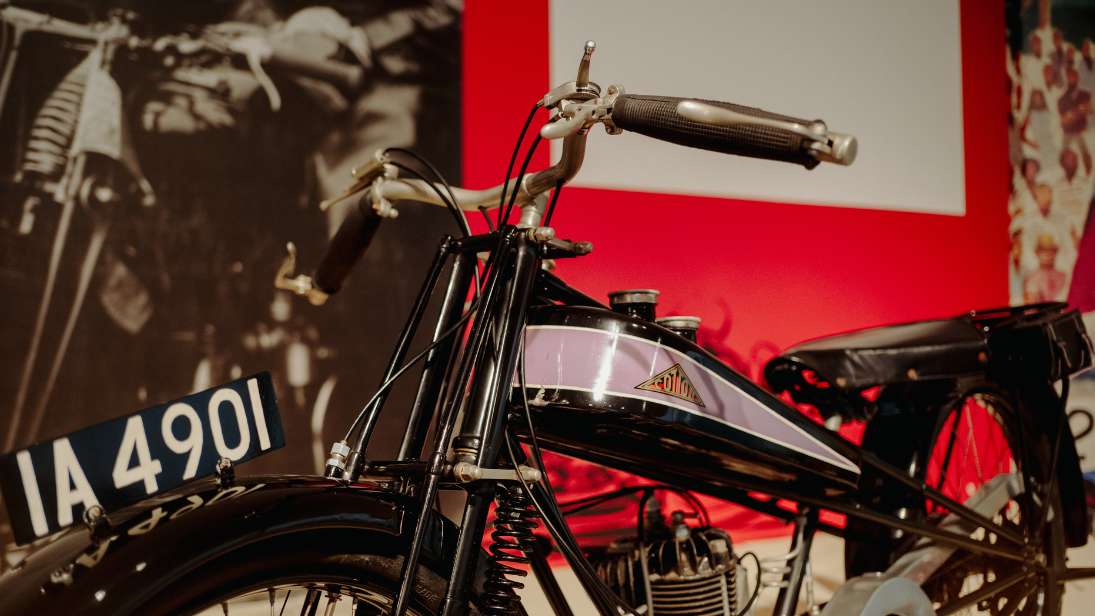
{"x":496,"y":308}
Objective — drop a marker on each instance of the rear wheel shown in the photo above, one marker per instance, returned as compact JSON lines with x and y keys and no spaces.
{"x":974,"y":442}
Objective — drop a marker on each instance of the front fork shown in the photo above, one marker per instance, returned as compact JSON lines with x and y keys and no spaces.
{"x":485,"y":371}
{"x":483,"y":430}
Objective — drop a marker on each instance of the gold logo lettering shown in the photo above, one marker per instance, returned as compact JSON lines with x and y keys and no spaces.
{"x":673,"y":382}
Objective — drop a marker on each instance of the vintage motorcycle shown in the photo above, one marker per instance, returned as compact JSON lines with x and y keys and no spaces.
{"x":963,"y":495}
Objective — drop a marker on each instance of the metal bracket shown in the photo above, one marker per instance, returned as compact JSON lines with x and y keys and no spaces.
{"x":226,"y":475}
{"x":577,"y":113}
{"x":465,"y":472}
{"x":382,"y":206}
{"x":363,"y":176}
{"x":558,"y":248}
{"x":97,"y":523}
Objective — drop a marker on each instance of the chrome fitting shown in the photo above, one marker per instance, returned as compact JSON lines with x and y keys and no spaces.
{"x":339,"y":452}
{"x":225,"y":474}
{"x":465,"y":472}
{"x":97,"y":523}
{"x":541,"y":234}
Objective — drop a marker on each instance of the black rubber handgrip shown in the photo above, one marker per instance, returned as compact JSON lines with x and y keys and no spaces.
{"x":348,"y":76}
{"x":346,"y":247}
{"x":657,"y":117}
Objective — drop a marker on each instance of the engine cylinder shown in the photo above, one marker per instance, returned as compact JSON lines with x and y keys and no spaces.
{"x":693,"y":573}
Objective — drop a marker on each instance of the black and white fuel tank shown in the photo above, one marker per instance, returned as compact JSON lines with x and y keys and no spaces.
{"x":621,"y":390}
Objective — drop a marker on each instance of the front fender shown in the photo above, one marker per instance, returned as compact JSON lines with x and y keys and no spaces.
{"x":150,"y":544}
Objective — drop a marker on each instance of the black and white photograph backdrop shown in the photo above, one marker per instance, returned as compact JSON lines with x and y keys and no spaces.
{"x":155,"y":158}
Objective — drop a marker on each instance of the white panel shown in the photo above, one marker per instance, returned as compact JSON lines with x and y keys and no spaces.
{"x":887,"y":72}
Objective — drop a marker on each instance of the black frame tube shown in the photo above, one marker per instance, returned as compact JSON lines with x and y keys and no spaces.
{"x":438,"y":361}
{"x":485,"y":417}
{"x":542,"y":570}
{"x":485,"y":414}
{"x":355,"y":462}
{"x":923,"y":489}
{"x":487,"y":300}
{"x":805,"y":526}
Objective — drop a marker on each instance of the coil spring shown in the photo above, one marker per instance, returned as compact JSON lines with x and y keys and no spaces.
{"x":55,"y":126}
{"x":512,"y":542}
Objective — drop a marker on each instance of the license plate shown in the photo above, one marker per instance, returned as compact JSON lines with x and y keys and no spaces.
{"x":123,"y":461}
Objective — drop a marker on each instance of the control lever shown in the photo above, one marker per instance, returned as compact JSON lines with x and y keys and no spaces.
{"x":828,"y":146}
{"x":583,"y":68}
{"x":302,"y":284}
{"x":363,"y":176}
{"x":579,"y":103}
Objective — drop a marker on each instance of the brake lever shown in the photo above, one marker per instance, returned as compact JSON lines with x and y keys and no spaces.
{"x":579,"y":103}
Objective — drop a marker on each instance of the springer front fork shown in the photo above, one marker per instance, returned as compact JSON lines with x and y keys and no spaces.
{"x":471,"y":382}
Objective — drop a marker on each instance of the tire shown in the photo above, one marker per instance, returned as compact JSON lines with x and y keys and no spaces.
{"x":973,"y":441}
{"x":321,"y":567}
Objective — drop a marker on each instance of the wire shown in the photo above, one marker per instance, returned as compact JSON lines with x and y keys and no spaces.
{"x":607,"y":599}
{"x":512,"y":160}
{"x":521,"y":174}
{"x":756,"y":591}
{"x":528,"y":417}
{"x":554,"y":198}
{"x":586,"y":503}
{"x":453,"y":205}
{"x":439,"y":177}
{"x":486,"y":217}
{"x":384,"y":386}
{"x":461,"y":220}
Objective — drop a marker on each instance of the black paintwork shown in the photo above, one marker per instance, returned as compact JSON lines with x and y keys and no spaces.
{"x":664,"y":436}
{"x":254,"y":512}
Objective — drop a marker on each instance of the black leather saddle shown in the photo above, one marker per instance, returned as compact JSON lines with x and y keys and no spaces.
{"x":1045,"y":341}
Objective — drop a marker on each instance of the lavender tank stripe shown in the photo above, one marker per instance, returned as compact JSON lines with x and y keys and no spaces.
{"x":615,"y":364}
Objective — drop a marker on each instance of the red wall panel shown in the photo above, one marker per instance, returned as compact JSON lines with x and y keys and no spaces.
{"x":782,"y":272}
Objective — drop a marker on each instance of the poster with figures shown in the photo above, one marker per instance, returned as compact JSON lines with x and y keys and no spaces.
{"x":1051,"y":141}
{"x":155,"y":158}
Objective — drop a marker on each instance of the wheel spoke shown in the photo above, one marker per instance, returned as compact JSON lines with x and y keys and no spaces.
{"x":284,"y":603}
{"x":1015,"y":599}
{"x":311,"y":603}
{"x":332,"y":602}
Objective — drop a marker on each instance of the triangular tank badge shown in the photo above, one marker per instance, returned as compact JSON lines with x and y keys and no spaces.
{"x":673,"y":382}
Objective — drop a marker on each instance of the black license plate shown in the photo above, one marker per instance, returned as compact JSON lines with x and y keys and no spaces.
{"x":123,"y":461}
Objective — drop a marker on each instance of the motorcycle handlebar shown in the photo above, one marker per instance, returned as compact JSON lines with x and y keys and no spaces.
{"x":657,"y":117}
{"x":346,"y":247}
